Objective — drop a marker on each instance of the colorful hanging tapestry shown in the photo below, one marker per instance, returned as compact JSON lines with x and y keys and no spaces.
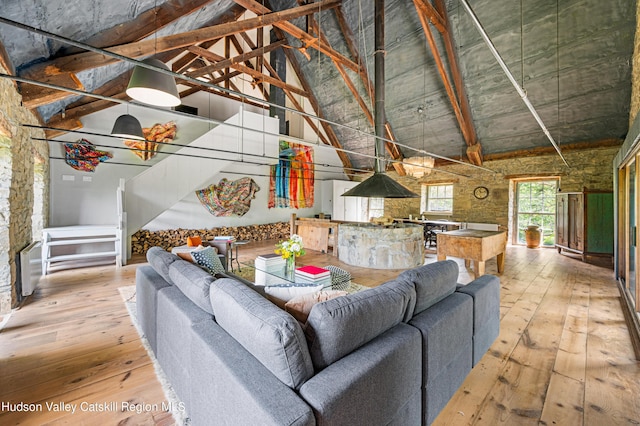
{"x":229,"y":198}
{"x":83,"y":156}
{"x":291,"y":181}
{"x":148,"y":148}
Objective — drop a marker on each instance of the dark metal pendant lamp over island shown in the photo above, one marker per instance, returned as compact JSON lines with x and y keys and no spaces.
{"x":379,"y":185}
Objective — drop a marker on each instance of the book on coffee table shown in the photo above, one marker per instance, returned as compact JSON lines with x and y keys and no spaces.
{"x":313,"y":272}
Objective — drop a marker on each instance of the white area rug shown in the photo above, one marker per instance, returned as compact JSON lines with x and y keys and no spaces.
{"x":180,"y":416}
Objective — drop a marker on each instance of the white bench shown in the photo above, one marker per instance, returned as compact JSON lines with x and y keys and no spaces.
{"x":80,"y":235}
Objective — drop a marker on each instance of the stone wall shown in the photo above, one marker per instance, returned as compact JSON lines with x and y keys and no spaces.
{"x":18,"y":154}
{"x":589,"y":168}
{"x":635,"y":72}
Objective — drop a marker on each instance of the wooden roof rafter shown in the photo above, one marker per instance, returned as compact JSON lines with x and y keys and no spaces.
{"x":328,"y":130}
{"x":86,"y":60}
{"x":457,"y":97}
{"x":299,"y":107}
{"x":249,"y":71}
{"x":390,"y":147}
{"x":142,"y":26}
{"x":305,"y":38}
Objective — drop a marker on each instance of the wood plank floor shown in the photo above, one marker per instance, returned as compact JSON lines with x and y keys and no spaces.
{"x":563,"y":356}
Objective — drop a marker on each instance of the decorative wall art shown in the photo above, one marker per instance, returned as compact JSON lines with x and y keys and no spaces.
{"x":291,"y":181}
{"x":229,"y":198}
{"x":83,"y":156}
{"x":147,"y":149}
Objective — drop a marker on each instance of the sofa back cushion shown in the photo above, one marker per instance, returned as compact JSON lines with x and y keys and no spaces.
{"x":160,"y":260}
{"x":270,"y":334}
{"x":433,"y":282}
{"x":193,"y":282}
{"x":338,"y":326}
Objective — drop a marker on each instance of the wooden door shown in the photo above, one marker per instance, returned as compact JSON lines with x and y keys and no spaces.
{"x":562,"y":219}
{"x":599,"y":222}
{"x":576,"y":221}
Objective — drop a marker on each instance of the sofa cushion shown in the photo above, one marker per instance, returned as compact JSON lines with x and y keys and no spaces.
{"x":270,"y":334}
{"x":160,"y":260}
{"x":286,"y":292}
{"x":300,"y":306}
{"x":193,"y":281}
{"x":338,"y":326}
{"x":433,"y":282}
{"x":208,"y":258}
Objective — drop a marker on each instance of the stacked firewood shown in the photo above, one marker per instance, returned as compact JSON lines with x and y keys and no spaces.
{"x":143,"y":240}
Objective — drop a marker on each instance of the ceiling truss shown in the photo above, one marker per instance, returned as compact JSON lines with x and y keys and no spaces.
{"x":191,"y":54}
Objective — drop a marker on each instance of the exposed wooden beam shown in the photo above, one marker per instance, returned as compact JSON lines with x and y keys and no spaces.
{"x":247,"y":62}
{"x":333,"y":138}
{"x":353,"y":49}
{"x":425,"y":10}
{"x":250,"y":71}
{"x":391,"y":148}
{"x":87,"y":60}
{"x":307,"y":39}
{"x":544,"y":150}
{"x":5,"y":62}
{"x":434,"y":16}
{"x":182,"y":64}
{"x":299,"y":107}
{"x":224,"y":63}
{"x":145,"y":24}
{"x":456,"y":75}
{"x":35,"y":96}
{"x":474,"y":154}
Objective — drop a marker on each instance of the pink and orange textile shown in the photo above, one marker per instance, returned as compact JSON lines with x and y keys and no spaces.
{"x":291,"y":183}
{"x":229,"y":198}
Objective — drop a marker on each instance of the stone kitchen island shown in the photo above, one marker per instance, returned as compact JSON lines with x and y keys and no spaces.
{"x":395,"y":246}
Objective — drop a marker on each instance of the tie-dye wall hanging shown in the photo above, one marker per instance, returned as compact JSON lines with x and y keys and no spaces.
{"x":291,"y":182}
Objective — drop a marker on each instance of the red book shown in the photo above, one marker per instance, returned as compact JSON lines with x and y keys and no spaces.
{"x":312,"y":271}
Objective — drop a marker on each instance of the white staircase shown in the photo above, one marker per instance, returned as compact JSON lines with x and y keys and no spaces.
{"x":158,"y":188}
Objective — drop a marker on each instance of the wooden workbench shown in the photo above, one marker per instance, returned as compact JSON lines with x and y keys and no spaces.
{"x":473,"y":245}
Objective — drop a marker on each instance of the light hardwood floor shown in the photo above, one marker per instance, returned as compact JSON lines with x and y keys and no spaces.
{"x":563,"y":356}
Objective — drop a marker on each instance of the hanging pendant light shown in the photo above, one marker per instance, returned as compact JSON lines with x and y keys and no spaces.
{"x":152,"y":87}
{"x":128,"y":127}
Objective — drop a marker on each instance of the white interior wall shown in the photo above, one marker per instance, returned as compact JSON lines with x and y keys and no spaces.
{"x":190,"y":213}
{"x":82,"y":198}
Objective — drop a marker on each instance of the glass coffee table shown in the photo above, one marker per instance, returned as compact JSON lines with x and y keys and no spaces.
{"x":276,"y":274}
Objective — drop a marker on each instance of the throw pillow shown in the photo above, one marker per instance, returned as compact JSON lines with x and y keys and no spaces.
{"x":194,"y":241}
{"x":300,"y":306}
{"x":286,"y":292}
{"x":208,"y":259}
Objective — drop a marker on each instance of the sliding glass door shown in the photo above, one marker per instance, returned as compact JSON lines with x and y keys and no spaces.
{"x":631,"y":232}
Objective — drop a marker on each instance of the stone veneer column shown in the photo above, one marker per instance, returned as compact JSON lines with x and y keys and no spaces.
{"x":18,"y":154}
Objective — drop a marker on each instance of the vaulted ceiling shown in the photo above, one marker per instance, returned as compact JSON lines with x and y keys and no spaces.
{"x":446,"y":94}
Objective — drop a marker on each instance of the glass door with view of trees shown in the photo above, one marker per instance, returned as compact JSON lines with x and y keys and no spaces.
{"x":536,"y":205}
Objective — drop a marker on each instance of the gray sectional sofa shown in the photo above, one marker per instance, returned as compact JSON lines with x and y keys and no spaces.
{"x":390,"y":355}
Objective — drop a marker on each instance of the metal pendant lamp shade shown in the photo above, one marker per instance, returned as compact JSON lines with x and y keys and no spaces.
{"x":152,"y":87}
{"x":379,"y":185}
{"x":127,"y":127}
